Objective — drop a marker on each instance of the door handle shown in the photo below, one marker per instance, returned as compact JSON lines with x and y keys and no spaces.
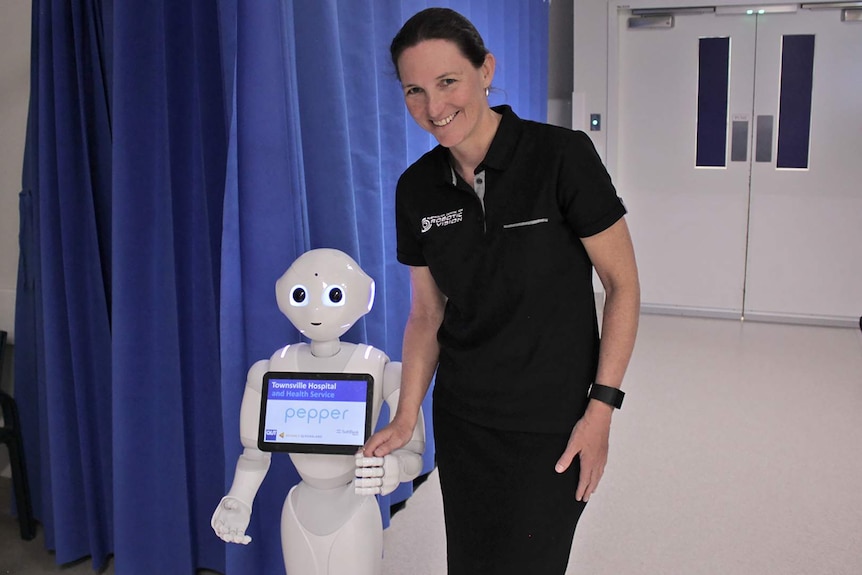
{"x":763,"y":142}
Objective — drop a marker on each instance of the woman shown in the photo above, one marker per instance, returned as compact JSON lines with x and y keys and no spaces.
{"x":501,"y":225}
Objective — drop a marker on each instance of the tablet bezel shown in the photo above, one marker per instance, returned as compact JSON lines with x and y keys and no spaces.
{"x":325,"y":448}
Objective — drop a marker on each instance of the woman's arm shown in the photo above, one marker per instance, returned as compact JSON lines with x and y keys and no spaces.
{"x":613,"y":257}
{"x":420,"y":355}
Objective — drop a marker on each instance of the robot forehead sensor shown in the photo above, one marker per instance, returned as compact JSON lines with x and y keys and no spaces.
{"x":304,"y":412}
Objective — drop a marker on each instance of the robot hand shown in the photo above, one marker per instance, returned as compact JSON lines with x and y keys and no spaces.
{"x":377,"y":475}
{"x":231,"y":519}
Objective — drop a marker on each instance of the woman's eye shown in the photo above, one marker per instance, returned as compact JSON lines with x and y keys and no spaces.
{"x":448,"y":81}
{"x":412,"y":91}
{"x":298,"y":296}
{"x":333,"y":296}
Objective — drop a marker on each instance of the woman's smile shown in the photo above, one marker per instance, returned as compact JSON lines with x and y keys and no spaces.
{"x":445,"y":121}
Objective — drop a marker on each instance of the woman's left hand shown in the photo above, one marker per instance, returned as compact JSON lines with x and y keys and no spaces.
{"x":589,"y":440}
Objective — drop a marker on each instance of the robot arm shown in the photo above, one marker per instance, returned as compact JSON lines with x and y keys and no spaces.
{"x":232,"y":516}
{"x":382,"y":475}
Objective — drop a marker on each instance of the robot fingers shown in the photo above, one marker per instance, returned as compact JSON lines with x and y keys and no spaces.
{"x":362,"y":461}
{"x":241,"y":539}
{"x":231,"y":535}
{"x":369,"y":475}
{"x":367,"y":486}
{"x":369,"y":472}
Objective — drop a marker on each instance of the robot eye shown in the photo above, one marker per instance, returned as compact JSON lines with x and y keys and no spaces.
{"x":333,"y":296}
{"x":298,"y":296}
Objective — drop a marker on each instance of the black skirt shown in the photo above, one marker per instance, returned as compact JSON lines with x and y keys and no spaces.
{"x":507,"y":510}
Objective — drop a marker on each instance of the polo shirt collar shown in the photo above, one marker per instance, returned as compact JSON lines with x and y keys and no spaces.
{"x":499,"y":155}
{"x":502,"y":146}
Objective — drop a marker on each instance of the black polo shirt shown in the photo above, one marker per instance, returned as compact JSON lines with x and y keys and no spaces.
{"x":519,"y":339}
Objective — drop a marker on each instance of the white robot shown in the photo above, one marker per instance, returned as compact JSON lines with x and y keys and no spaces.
{"x":330,"y":522}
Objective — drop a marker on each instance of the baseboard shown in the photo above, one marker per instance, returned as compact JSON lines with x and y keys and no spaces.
{"x":655,"y":309}
{"x":764,"y":317}
{"x":822,"y":321}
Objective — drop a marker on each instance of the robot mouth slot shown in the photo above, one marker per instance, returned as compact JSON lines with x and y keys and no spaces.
{"x":316,"y":323}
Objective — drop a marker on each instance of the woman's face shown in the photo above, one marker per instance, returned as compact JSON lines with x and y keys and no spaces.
{"x":443,"y":91}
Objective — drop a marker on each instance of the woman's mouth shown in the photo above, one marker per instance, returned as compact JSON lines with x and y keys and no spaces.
{"x":445,"y":121}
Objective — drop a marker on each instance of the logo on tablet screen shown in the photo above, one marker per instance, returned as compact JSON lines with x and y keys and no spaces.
{"x":269,"y":435}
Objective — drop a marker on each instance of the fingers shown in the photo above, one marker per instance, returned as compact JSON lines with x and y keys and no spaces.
{"x":591,"y":470}
{"x":369,"y":466}
{"x":566,"y":459}
{"x":376,"y":446}
{"x":383,"y":442}
{"x":573,"y":447}
{"x":369,"y":486}
{"x":584,"y":490}
{"x":231,"y":535}
{"x":588,"y":481}
{"x":369,"y":475}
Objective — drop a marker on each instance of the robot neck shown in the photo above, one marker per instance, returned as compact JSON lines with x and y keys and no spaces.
{"x":325,"y":348}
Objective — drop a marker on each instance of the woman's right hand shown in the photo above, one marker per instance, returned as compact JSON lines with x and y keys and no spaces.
{"x":393,"y":436}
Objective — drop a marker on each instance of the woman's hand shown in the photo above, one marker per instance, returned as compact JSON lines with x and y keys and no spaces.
{"x":393,"y":436}
{"x":589,"y":439}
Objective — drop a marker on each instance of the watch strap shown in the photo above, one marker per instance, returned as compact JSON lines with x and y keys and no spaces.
{"x":606,"y":394}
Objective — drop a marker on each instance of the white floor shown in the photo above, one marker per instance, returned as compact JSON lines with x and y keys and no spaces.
{"x":738,"y":452}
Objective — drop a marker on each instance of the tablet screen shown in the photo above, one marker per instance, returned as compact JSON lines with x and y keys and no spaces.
{"x":305,"y":412}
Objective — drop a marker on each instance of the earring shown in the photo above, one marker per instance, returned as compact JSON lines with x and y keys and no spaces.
{"x":487,"y":92}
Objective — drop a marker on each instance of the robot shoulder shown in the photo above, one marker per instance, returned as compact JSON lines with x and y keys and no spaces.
{"x":372,"y":353}
{"x":254,"y":379}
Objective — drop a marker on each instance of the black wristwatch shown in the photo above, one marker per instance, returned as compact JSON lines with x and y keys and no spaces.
{"x":610,"y":395}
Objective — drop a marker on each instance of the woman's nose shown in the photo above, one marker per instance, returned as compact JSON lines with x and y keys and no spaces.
{"x":435,"y":105}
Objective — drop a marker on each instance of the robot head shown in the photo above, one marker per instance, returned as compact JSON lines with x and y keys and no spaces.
{"x":323,"y":293}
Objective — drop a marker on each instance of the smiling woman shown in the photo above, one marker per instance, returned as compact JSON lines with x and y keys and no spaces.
{"x":501,"y":225}
{"x":446,"y":94}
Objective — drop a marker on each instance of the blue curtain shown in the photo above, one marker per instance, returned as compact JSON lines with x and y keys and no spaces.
{"x":180,"y":155}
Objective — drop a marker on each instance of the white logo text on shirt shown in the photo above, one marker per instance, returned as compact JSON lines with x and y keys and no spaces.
{"x":446,"y":219}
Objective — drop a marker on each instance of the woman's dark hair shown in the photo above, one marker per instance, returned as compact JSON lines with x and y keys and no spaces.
{"x":439,"y":24}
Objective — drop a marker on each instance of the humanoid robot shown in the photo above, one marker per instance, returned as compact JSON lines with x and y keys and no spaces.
{"x":330,"y":522}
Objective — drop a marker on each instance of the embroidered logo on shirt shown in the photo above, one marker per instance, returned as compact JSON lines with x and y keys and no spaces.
{"x":442,"y":220}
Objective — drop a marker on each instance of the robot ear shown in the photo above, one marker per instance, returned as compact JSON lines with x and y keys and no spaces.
{"x":371,"y":291}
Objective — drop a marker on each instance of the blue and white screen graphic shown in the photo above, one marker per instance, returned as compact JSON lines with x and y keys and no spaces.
{"x":317,"y":412}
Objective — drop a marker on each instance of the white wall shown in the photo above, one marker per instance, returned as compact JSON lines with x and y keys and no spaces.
{"x":14,"y":99}
{"x":590,"y":79}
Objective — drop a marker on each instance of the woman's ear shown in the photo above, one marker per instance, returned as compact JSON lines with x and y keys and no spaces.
{"x":487,"y":70}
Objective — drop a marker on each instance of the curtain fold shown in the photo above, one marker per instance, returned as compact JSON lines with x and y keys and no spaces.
{"x":265,"y":229}
{"x":179,"y":157}
{"x":63,"y":367}
{"x":168,"y":179}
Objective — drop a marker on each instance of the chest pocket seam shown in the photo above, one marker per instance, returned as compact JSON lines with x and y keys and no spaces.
{"x":525,"y":224}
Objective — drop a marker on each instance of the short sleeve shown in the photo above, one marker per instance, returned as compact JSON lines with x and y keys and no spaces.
{"x":588,"y":198}
{"x":409,"y":247}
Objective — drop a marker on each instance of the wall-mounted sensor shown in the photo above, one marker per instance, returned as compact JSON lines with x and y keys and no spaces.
{"x":595,"y":122}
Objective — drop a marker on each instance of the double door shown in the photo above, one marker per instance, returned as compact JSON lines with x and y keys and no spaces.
{"x":739,"y":156}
